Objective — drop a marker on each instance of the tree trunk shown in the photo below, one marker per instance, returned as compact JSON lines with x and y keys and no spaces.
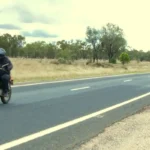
{"x":94,"y":56}
{"x":94,"y":53}
{"x":110,"y":53}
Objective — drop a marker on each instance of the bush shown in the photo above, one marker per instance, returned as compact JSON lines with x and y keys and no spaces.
{"x":89,"y":62}
{"x":124,"y":58}
{"x":113,"y":61}
{"x":65,"y":54}
{"x":64,"y":61}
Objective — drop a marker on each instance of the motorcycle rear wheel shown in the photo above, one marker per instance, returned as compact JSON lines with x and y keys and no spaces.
{"x":5,"y":100}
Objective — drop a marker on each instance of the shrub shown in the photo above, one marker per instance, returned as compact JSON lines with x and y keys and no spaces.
{"x":124,"y":58}
{"x":113,"y":61}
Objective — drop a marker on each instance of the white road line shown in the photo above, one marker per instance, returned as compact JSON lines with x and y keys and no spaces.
{"x":128,"y":80}
{"x":67,"y":124}
{"x":100,"y":116}
{"x":82,"y":88}
{"x":81,"y":79}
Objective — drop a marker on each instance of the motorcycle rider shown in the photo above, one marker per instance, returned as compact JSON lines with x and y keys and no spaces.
{"x":5,"y":68}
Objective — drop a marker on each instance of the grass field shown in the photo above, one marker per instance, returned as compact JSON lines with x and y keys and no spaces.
{"x":32,"y":70}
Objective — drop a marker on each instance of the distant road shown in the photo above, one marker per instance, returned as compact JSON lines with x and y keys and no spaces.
{"x":59,"y":107}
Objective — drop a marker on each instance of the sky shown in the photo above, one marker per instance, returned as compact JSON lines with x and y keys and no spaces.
{"x":53,"y":20}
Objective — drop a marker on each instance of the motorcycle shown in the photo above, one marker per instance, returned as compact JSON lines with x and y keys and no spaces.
{"x":4,"y":99}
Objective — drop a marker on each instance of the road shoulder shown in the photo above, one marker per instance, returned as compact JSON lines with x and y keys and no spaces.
{"x":130,"y":133}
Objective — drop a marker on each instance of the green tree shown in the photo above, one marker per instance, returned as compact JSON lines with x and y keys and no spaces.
{"x":12,"y":44}
{"x":17,"y":43}
{"x":40,"y":49}
{"x":93,"y":37}
{"x":124,"y":58}
{"x":113,"y":40}
{"x":77,"y":49}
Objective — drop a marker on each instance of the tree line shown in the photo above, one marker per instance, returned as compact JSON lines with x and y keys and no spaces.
{"x":107,"y":43}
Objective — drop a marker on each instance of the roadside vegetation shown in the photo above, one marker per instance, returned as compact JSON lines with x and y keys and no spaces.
{"x":47,"y":69}
{"x":103,"y":52}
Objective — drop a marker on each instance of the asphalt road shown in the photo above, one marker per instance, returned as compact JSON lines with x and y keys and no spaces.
{"x":37,"y":107}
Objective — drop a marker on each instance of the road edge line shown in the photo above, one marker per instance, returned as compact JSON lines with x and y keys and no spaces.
{"x":80,"y":79}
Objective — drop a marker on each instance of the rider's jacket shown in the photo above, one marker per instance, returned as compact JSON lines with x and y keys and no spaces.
{"x":6,"y":64}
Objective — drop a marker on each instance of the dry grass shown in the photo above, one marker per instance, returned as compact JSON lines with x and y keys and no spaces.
{"x":44,"y":69}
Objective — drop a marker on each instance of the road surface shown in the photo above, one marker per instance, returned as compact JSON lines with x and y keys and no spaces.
{"x":40,"y":107}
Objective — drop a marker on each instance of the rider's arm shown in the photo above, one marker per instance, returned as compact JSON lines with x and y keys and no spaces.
{"x":9,"y":64}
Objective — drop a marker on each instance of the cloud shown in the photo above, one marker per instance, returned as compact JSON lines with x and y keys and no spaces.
{"x":39,"y":33}
{"x":29,"y":13}
{"x":27,"y":16}
{"x":9,"y":27}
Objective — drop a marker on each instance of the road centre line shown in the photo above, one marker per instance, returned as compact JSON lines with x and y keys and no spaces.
{"x":128,"y":80}
{"x":67,"y":124}
{"x":82,"y":88}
